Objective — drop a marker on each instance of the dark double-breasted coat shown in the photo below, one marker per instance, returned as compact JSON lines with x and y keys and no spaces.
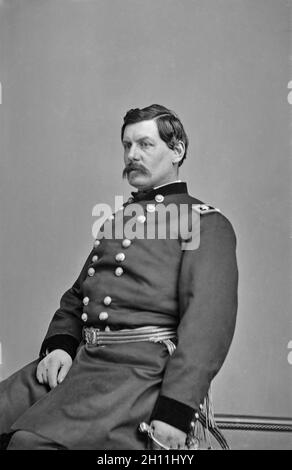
{"x":130,"y":283}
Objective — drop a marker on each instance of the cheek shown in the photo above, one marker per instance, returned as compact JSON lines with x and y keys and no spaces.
{"x":163,"y":162}
{"x":156,"y":161}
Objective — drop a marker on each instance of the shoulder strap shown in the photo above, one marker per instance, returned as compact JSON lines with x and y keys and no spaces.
{"x":204,"y":208}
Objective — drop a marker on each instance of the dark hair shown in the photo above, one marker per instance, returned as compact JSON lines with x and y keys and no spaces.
{"x":169,"y":125}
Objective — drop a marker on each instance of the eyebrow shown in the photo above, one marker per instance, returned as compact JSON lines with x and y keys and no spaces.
{"x":125,"y":141}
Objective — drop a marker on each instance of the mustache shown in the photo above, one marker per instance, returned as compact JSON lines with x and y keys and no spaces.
{"x":134,"y":166}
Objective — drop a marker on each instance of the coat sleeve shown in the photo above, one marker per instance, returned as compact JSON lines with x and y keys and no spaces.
{"x":208,"y":305}
{"x":65,"y":329}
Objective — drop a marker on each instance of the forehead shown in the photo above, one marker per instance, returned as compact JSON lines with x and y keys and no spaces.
{"x":140,"y":130}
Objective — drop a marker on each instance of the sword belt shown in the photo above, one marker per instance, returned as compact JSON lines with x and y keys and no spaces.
{"x":155,"y":334}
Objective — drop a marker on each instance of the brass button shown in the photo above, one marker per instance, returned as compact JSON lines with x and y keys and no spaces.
{"x":126,"y":243}
{"x":159,"y":198}
{"x":120,"y":257}
{"x":107,"y":300}
{"x":84,"y":316}
{"x":94,"y":258}
{"x":150,"y":208}
{"x":91,"y":272}
{"x":96,"y":243}
{"x":119,"y":271}
{"x":141,"y":219}
{"x":86,"y":301}
{"x":131,"y":199}
{"x":103,"y":316}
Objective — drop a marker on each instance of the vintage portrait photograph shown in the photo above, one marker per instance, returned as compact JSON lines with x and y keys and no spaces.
{"x":145,"y":237}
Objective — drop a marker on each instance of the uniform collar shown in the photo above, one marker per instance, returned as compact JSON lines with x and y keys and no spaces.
{"x":165,"y":190}
{"x":165,"y":184}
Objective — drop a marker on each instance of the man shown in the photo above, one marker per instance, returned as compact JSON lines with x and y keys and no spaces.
{"x":146,"y":326}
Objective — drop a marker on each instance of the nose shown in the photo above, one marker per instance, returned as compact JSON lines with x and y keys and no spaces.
{"x":133,"y":153}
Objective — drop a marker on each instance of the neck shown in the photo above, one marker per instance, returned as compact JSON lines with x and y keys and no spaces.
{"x":160,"y":183}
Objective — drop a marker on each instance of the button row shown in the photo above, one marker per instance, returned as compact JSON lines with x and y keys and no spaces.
{"x":107,"y":300}
{"x":158,"y":198}
{"x":120,"y":257}
{"x":102,"y":316}
{"x":118,"y":271}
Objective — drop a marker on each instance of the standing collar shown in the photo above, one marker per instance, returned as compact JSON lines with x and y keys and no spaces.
{"x":165,"y":184}
{"x":178,"y":187}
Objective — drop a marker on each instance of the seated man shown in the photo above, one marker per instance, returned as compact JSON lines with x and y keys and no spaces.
{"x":148,"y":323}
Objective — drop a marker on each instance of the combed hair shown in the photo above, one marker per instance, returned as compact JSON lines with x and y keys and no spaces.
{"x":169,"y":126}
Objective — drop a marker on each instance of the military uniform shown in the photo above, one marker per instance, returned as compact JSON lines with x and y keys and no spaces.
{"x":127,"y":284}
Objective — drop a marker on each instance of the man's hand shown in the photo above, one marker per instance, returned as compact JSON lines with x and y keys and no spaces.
{"x":54,"y":367}
{"x":167,"y":435}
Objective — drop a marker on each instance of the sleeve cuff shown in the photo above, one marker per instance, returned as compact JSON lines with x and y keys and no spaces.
{"x":66,"y":342}
{"x":173,"y":412}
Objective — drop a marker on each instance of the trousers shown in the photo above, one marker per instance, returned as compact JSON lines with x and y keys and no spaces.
{"x":25,"y":440}
{"x":106,"y":394}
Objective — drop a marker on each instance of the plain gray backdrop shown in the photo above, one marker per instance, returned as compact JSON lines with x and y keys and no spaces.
{"x":69,"y":71}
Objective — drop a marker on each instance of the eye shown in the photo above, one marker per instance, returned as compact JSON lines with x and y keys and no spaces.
{"x":126,"y":145}
{"x":145,"y":144}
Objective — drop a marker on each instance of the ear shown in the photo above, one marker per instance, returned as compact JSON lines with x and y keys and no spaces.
{"x":178,"y":152}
